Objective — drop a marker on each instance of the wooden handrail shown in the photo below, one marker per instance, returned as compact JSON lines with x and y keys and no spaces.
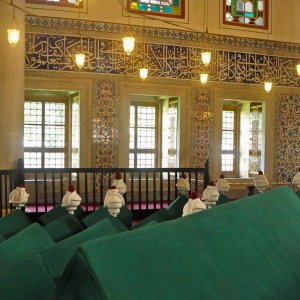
{"x":147,"y":188}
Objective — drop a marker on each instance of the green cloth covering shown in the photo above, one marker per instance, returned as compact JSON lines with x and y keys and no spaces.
{"x":176,"y":207}
{"x":57,"y":256}
{"x":2,"y":238}
{"x":63,"y":227}
{"x":298,"y":194}
{"x":30,"y":240}
{"x":57,"y":212}
{"x":159,"y":216}
{"x":53,"y":214}
{"x":26,"y":279}
{"x":79,"y":213}
{"x":13,"y":222}
{"x":153,"y":222}
{"x":95,"y":217}
{"x":125,"y":216}
{"x":223,"y":199}
{"x":247,"y":249}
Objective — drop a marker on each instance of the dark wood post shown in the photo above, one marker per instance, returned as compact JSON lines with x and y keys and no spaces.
{"x":206,"y":179}
{"x":20,"y":179}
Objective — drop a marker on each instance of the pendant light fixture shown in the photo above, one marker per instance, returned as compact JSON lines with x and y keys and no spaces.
{"x":298,"y":69}
{"x":128,"y":44}
{"x":144,"y":73}
{"x":205,"y":55}
{"x":144,"y":70}
{"x":13,"y":34}
{"x":80,"y":59}
{"x":128,"y":41}
{"x":80,"y":56}
{"x":203,"y":78}
{"x":268,"y":86}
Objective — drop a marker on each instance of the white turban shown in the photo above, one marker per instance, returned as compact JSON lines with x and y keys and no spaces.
{"x":18,"y":196}
{"x":193,"y":205}
{"x":113,"y":201}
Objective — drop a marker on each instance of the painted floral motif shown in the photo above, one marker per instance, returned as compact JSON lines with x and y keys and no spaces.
{"x":105,"y":124}
{"x":201,"y":126}
{"x":288,"y":137}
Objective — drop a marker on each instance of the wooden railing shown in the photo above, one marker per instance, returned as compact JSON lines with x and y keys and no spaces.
{"x":147,"y":189}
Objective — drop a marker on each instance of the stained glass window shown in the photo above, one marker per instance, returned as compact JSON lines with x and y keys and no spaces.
{"x":249,"y":13}
{"x":170,"y":8}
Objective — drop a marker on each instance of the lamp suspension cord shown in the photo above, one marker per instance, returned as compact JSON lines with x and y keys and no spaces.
{"x":79,"y":33}
{"x":129,"y":29}
{"x":14,"y":18}
{"x":206,"y":16}
{"x":267,"y":57}
{"x":145,"y":64}
{"x":205,"y":8}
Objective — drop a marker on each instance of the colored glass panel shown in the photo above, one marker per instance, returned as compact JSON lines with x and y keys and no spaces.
{"x":142,"y":6}
{"x":155,"y":8}
{"x":134,"y":5}
{"x":167,"y":9}
{"x":251,"y":13}
{"x":176,"y":10}
{"x":170,"y":8}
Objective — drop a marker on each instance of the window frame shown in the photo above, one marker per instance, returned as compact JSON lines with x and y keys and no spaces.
{"x":266,"y":17}
{"x":179,"y":16}
{"x":156,"y":150}
{"x":235,"y":150}
{"x":55,"y":3}
{"x":44,"y":149}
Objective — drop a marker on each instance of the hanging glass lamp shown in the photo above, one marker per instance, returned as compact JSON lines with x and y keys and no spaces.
{"x":128,"y":44}
{"x":268,"y":86}
{"x":143,"y":73}
{"x":80,"y":59}
{"x":203,"y":78}
{"x":206,"y":57}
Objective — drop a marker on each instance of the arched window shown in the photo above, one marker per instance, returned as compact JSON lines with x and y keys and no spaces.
{"x":247,"y":13}
{"x":169,"y":8}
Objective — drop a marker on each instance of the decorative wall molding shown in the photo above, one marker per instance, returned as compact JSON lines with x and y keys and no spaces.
{"x":65,"y":26}
{"x":104,"y":56}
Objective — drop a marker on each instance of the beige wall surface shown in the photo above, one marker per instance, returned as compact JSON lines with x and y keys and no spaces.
{"x":12,"y":90}
{"x":283,"y":18}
